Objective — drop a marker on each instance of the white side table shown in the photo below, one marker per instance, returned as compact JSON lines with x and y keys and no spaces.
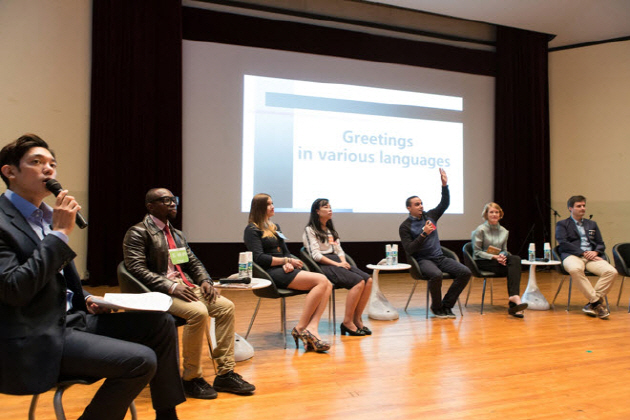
{"x":242,"y":349}
{"x":378,"y":305}
{"x":532,"y":296}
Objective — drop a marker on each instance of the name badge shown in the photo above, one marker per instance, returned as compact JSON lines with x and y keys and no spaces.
{"x":281,"y":235}
{"x":591,"y":233}
{"x":178,"y":256}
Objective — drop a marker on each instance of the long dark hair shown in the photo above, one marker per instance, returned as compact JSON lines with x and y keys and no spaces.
{"x":316,"y":225}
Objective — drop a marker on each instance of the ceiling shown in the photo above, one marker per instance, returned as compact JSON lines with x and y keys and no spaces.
{"x":572,"y":21}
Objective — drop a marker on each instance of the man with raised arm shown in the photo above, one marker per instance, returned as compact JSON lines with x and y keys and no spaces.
{"x":420,"y":240}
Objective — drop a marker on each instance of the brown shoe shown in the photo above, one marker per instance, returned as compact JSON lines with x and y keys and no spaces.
{"x":601,"y":311}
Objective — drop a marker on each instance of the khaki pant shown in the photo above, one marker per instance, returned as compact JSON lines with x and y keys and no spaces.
{"x":196,"y":316}
{"x":606,"y":272}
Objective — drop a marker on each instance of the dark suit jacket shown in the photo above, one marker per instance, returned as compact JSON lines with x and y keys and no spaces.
{"x":569,"y":240}
{"x":32,"y":303}
{"x":146,"y":256}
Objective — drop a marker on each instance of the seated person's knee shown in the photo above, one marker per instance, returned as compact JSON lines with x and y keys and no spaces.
{"x":197,"y":316}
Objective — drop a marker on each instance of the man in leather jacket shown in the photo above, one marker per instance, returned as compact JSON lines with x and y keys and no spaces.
{"x":159,"y":256}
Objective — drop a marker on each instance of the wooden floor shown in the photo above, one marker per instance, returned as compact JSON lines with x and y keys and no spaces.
{"x":551,"y":365}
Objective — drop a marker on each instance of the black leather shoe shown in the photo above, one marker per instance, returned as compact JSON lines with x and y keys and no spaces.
{"x":234,"y":383}
{"x":439,"y":313}
{"x":366,"y":330}
{"x":199,"y":388}
{"x":448,"y":312}
{"x":514,"y":308}
{"x":345,"y":330}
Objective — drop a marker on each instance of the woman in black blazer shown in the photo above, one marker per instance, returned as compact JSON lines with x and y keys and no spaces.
{"x":267,"y":243}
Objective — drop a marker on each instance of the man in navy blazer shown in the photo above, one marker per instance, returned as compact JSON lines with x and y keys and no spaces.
{"x":50,"y":328}
{"x":581,"y":246}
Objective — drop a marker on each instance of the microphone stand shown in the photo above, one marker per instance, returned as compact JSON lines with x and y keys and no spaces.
{"x":527,"y":237}
{"x":555,"y":218}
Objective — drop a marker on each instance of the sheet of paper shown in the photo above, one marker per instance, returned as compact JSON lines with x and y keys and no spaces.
{"x":152,"y":301}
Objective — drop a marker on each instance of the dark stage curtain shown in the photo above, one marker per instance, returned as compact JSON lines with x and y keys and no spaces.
{"x":136,"y":120}
{"x":522,"y":137}
{"x":226,"y":28}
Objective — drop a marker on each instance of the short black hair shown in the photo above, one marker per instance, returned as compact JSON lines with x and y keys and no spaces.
{"x":12,"y":153}
{"x":575,"y":199}
{"x":408,"y":202}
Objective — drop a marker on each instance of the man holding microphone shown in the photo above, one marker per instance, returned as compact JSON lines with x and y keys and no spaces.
{"x":49,"y":327}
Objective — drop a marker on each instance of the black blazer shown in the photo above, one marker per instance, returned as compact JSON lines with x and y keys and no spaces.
{"x":32,"y":303}
{"x":569,"y":240}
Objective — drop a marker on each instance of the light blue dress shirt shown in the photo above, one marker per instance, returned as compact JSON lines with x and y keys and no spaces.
{"x":40,"y":220}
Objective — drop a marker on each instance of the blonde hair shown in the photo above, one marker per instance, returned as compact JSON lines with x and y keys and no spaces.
{"x":486,"y":209}
{"x":258,"y":215}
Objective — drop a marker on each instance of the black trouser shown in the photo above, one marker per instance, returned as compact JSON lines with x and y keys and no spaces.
{"x":130,"y":350}
{"x":512,"y":270}
{"x":433,"y":269}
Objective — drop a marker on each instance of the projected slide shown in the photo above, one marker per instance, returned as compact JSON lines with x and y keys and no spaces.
{"x":364,"y":148}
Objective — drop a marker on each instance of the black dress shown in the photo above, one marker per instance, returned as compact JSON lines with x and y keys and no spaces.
{"x":264,"y":249}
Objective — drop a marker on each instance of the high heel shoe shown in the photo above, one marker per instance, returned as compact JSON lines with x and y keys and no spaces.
{"x":516,"y":310}
{"x":297,"y":336}
{"x":318,"y":345}
{"x":345,"y":330}
{"x":366,"y":330}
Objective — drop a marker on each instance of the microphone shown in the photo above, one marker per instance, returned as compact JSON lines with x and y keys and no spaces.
{"x":54,"y":187}
{"x":590,"y":216}
{"x":245,"y":280}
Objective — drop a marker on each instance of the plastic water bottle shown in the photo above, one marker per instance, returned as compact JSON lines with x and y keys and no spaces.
{"x":394,"y":254}
{"x":242,"y":265}
{"x":388,"y":254}
{"x":532,"y":252}
{"x":250,"y":267}
{"x":547,"y":251}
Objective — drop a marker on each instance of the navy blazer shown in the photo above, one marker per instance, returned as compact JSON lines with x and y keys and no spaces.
{"x":32,"y":303}
{"x":569,"y":239}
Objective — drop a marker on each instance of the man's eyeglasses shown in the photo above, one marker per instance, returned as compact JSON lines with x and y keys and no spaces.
{"x":167,"y":200}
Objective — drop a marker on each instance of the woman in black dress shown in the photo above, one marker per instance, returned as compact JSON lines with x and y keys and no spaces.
{"x":267,"y":243}
{"x":322,"y":243}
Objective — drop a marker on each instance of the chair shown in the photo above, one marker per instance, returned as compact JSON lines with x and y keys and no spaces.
{"x":273,"y":292}
{"x":313,"y":266}
{"x":621,"y":254}
{"x":129,"y":284}
{"x":417,"y":274}
{"x":57,"y":403}
{"x":560,"y":268}
{"x":470,"y":262}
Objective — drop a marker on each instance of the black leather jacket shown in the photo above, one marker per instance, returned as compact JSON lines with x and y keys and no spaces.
{"x":146,"y":256}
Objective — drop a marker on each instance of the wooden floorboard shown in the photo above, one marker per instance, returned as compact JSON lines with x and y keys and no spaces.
{"x":551,"y":365}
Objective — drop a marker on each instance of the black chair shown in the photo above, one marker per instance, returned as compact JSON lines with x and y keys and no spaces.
{"x":313,"y":266}
{"x":129,"y":284}
{"x":621,"y":254}
{"x":417,"y":274}
{"x":58,"y":404}
{"x":273,"y":292}
{"x":560,"y":268}
{"x":470,"y":262}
